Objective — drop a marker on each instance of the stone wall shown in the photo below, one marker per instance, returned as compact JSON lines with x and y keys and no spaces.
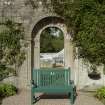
{"x":82,"y":80}
{"x":24,"y":12}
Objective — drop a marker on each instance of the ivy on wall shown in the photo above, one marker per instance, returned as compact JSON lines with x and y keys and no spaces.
{"x":86,"y":18}
{"x":11,"y":54}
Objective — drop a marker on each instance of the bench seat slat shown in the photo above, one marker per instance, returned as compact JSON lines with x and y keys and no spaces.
{"x":53,"y":90}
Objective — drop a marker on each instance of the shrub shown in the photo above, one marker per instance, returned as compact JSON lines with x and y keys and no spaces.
{"x":100,"y":94}
{"x":7,"y":90}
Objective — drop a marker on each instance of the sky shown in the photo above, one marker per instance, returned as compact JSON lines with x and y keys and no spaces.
{"x":55,"y":31}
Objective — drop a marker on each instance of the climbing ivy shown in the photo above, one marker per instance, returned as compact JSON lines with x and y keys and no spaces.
{"x":11,"y":34}
{"x":86,"y":18}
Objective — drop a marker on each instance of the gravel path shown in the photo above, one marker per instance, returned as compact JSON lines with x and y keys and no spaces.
{"x":22,"y":98}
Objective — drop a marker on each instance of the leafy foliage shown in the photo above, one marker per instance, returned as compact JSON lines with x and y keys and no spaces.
{"x":100,"y":94}
{"x":5,"y":71}
{"x":7,"y":90}
{"x":10,"y":46}
{"x":51,"y":43}
{"x":86,"y":18}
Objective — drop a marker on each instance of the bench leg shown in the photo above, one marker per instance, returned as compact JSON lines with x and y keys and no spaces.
{"x":71,"y":97}
{"x":32,"y":97}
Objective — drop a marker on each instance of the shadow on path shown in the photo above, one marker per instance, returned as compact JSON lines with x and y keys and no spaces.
{"x":1,"y":99}
{"x":51,"y":96}
{"x":54,"y":96}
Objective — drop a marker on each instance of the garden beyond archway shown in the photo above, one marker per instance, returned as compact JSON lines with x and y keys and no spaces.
{"x":37,"y":30}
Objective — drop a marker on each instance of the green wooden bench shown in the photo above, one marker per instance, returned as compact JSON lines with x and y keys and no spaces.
{"x":53,"y":81}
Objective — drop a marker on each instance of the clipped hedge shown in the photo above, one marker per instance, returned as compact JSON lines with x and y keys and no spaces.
{"x":100,"y":94}
{"x":7,"y":90}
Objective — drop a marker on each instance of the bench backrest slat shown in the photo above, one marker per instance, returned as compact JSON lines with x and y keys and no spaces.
{"x":51,"y":77}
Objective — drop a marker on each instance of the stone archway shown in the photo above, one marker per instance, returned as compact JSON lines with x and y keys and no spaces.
{"x":33,"y":49}
{"x":51,"y":21}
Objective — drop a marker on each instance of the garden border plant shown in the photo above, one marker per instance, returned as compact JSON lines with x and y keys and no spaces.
{"x":7,"y":90}
{"x":100,"y":94}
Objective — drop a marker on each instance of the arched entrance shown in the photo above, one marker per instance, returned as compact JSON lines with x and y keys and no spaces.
{"x":36,"y":32}
{"x":52,"y":48}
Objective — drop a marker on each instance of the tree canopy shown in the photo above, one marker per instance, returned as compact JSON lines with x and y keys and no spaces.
{"x":52,"y":40}
{"x":86,"y":18}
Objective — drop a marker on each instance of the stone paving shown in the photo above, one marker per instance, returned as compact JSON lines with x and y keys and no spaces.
{"x":83,"y":98}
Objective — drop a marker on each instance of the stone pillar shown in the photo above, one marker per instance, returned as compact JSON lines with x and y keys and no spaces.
{"x":72,"y":61}
{"x":68,"y":54}
{"x":25,"y":69}
{"x":37,"y":53}
{"x":29,"y":69}
{"x":25,"y":75}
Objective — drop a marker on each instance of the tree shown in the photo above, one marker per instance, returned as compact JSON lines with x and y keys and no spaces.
{"x":10,"y":47}
{"x":51,"y":40}
{"x":86,"y":18}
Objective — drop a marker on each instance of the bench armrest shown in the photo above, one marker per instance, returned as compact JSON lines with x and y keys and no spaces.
{"x":71,"y":82}
{"x":34,"y":84}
